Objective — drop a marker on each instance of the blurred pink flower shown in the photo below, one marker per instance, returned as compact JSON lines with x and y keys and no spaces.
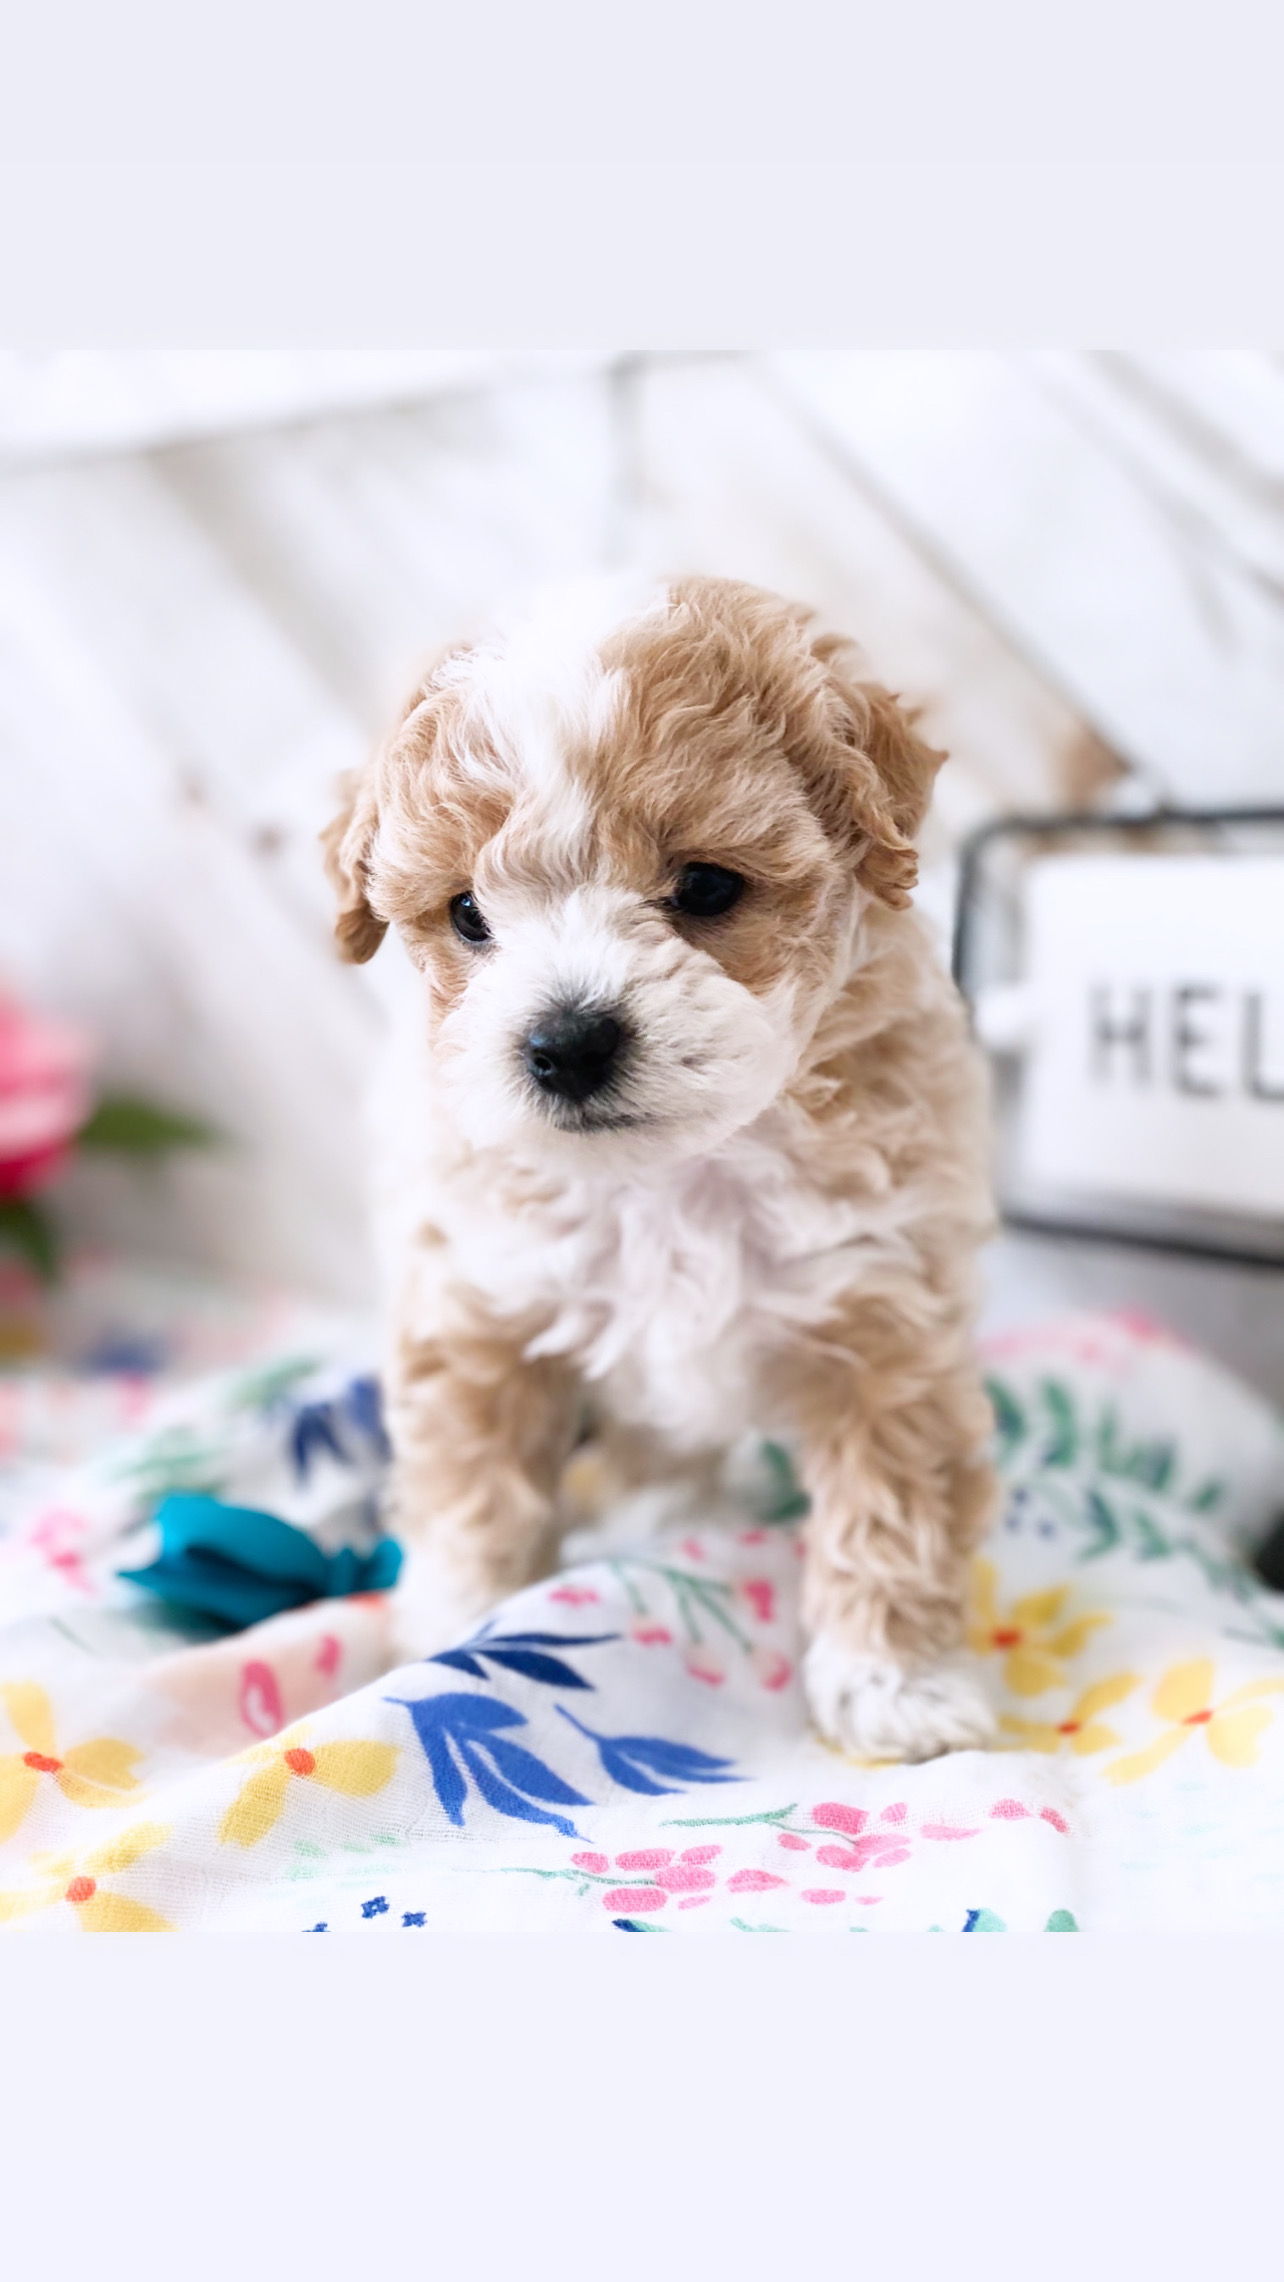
{"x":574,"y":1595}
{"x":58,"y":1534}
{"x":705,"y":1664}
{"x":649,"y":1632}
{"x":259,"y":1699}
{"x":761,"y":1596}
{"x":44,"y":1096}
{"x":772,"y":1669}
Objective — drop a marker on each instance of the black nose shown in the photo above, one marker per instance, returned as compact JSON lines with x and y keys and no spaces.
{"x":573,"y":1051}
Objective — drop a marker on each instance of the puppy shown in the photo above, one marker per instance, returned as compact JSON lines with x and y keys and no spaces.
{"x":687,"y":1120}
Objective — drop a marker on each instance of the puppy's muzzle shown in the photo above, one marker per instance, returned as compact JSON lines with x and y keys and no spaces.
{"x":574,"y":1052}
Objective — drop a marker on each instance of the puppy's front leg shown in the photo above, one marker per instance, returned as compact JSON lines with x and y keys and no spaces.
{"x":480,"y":1434}
{"x":894,"y":1424}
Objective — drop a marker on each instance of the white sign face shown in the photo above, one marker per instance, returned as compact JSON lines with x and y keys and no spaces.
{"x":1156,"y":1060}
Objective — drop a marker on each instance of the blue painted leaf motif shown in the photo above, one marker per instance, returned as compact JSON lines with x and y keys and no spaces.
{"x":549,"y":1670}
{"x":313,"y":1428}
{"x":634,"y":1761}
{"x":459,"y":1728}
{"x":529,"y":1774}
{"x":363,"y":1406}
{"x":523,"y":1652}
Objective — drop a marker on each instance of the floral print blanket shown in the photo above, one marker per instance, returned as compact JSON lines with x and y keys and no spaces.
{"x":624,"y":1747}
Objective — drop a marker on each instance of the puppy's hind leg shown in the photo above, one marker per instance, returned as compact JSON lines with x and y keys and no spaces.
{"x":480,"y":1434}
{"x":893,"y":1457}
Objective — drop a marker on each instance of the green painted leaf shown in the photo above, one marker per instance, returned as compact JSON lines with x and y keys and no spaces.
{"x":1061,"y":1921}
{"x":1063,"y":1448}
{"x":786,"y":1499}
{"x":26,"y":1228}
{"x":142,"y":1129}
{"x":1208,"y":1495}
{"x":1009,"y":1418}
{"x":1153,"y":1463}
{"x":1103,"y":1523}
{"x":1151,"y":1544}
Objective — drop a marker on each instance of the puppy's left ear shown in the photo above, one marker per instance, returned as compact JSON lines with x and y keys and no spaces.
{"x":886,"y":773}
{"x":346,"y":842}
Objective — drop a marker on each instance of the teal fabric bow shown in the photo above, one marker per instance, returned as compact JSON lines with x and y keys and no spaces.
{"x":239,"y":1566}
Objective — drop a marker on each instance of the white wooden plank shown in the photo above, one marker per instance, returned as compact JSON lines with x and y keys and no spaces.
{"x":139,"y":913}
{"x":1201,"y":437}
{"x":726,"y":480}
{"x":370,"y":540}
{"x":1174,"y":655}
{"x":62,"y":403}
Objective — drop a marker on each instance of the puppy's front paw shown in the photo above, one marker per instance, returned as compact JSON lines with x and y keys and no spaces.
{"x":873,"y":1709}
{"x":428,"y":1611}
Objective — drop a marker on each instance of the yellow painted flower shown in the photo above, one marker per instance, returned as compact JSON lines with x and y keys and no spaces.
{"x":75,"y":1879}
{"x":97,"y":1774}
{"x":1034,"y":1645}
{"x":1184,"y":1699}
{"x":356,"y":1770}
{"x":1080,"y":1728}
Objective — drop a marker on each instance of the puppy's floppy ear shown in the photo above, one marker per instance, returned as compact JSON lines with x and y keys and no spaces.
{"x":346,"y":842}
{"x":886,"y":771}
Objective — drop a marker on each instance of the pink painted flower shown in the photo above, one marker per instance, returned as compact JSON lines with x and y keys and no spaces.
{"x":642,"y":1898}
{"x":823,"y":1894}
{"x":877,"y":1850}
{"x":693,"y":1901}
{"x":596,"y":1862}
{"x":693,"y":1549}
{"x":753,"y":1882}
{"x":751,"y":1537}
{"x":649,"y":1632}
{"x":795,"y":1844}
{"x":259,"y":1699}
{"x":575,"y":1596}
{"x":645,"y":1858}
{"x":943,"y":1830}
{"x":44,"y":1097}
{"x":685,"y":1878}
{"x":699,"y":1853}
{"x":894,"y":1813}
{"x":328,"y":1655}
{"x":705,"y":1664}
{"x":58,"y":1534}
{"x":1009,"y":1810}
{"x":1058,"y":1822}
{"x":771,"y":1669}
{"x":760,"y":1593}
{"x":831,"y":1814}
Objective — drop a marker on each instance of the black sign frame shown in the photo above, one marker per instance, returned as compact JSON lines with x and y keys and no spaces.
{"x":1245,"y":1241}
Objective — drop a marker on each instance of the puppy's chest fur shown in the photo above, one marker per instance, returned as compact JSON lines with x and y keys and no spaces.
{"x":670,"y":1294}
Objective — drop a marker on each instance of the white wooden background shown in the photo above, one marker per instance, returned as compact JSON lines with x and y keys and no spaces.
{"x":218,"y":573}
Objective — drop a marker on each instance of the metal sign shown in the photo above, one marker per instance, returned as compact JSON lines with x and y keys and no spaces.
{"x":1128,"y":976}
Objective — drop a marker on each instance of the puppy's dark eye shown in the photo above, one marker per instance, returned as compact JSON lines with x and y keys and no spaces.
{"x":467,"y":920}
{"x":705,"y":891}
